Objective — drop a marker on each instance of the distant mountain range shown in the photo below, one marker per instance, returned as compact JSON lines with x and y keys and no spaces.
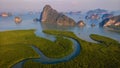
{"x":95,"y":14}
{"x":101,"y":14}
{"x":97,"y":11}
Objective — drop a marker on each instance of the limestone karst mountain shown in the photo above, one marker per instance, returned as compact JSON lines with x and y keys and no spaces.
{"x":50,"y":15}
{"x":113,"y":21}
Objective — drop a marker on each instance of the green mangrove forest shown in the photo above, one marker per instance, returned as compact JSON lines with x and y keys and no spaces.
{"x":17,"y":45}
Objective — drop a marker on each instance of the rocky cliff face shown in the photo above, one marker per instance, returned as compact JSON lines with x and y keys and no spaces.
{"x":81,"y":23}
{"x":113,"y":21}
{"x":50,"y":15}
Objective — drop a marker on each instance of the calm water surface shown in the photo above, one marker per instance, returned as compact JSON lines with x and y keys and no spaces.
{"x":82,"y":32}
{"x":8,"y":23}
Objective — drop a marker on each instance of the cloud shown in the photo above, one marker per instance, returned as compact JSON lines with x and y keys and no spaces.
{"x":60,"y":5}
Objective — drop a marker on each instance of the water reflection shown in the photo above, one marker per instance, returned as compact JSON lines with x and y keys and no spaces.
{"x":82,"y":32}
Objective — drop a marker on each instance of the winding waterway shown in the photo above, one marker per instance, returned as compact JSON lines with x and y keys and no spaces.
{"x":7,"y":24}
{"x":46,"y":60}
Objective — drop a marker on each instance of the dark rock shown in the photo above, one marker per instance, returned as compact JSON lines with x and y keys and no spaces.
{"x":92,"y":25}
{"x":103,"y":22}
{"x":36,"y":20}
{"x":50,"y":15}
{"x":105,"y":16}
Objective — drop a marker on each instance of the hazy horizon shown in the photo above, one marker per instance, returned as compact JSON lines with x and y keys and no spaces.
{"x":60,"y":5}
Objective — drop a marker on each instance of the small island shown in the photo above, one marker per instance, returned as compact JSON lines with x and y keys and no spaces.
{"x":17,"y":20}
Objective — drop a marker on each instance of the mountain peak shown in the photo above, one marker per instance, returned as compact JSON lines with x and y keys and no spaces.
{"x":47,"y":6}
{"x":50,"y":15}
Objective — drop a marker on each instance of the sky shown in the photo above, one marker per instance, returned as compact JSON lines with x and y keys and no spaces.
{"x":59,"y":5}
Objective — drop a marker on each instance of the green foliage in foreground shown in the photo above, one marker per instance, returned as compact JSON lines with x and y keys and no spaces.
{"x":53,"y":49}
{"x":14,"y":49}
{"x":93,"y":55}
{"x":104,"y":40}
{"x":15,"y":46}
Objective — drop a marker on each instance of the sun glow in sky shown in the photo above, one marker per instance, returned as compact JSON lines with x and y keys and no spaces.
{"x":60,"y":5}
